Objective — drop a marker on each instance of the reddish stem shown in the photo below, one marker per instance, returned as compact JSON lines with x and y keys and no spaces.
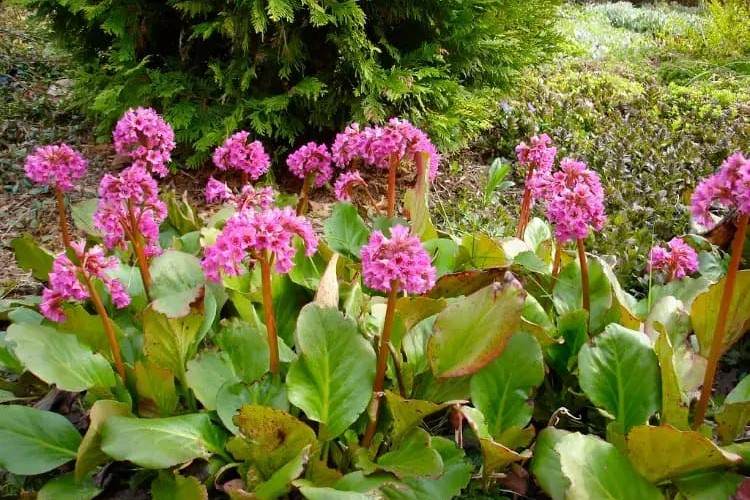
{"x":392,"y":171}
{"x":273,"y":341}
{"x":523,"y":218}
{"x":377,"y":388}
{"x":720,"y":330}
{"x":584,"y":276}
{"x":106,"y":323}
{"x":62,"y":217}
{"x":137,"y":241}
{"x":304,"y":194}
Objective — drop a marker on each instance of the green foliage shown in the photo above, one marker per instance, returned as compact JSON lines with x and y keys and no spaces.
{"x":288,"y":68}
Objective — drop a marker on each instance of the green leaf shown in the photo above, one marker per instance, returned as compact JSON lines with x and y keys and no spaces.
{"x":178,"y":281}
{"x":465,"y":283}
{"x":247,"y":347}
{"x":88,"y":328}
{"x":734,"y":414}
{"x":169,"y":486}
{"x":168,"y":342}
{"x":443,"y":253}
{"x":567,"y":295}
{"x":502,"y":389}
{"x":412,"y":310}
{"x":234,"y":395}
{"x":709,"y":485}
{"x":35,"y":441}
{"x":409,"y":413}
{"x":674,"y":404}
{"x":157,"y":396}
{"x":413,"y":457}
{"x":158,"y":443}
{"x":537,"y":233}
{"x":279,"y":484}
{"x":89,"y":452}
{"x":471,"y":332}
{"x":705,"y":311}
{"x":545,"y":465}
{"x":83,"y":216}
{"x":495,"y":456}
{"x":331,"y":381}
{"x":307,"y":271}
{"x":596,"y":470}
{"x":573,"y":329}
{"x":664,"y":452}
{"x":207,"y":373}
{"x":31,"y":257}
{"x":481,"y":252}
{"x":59,"y":358}
{"x":66,"y":487}
{"x":8,"y":360}
{"x":273,"y":437}
{"x":345,"y":231}
{"x":415,"y":202}
{"x":619,"y":373}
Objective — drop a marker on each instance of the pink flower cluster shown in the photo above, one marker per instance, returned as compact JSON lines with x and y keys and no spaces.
{"x":56,"y":165}
{"x":249,"y":233}
{"x":539,"y":154}
{"x":129,"y":205}
{"x":575,"y":200}
{"x":65,"y":285}
{"x":311,"y":159}
{"x":375,"y":146}
{"x":678,"y":260}
{"x":727,"y":188}
{"x":400,"y":258}
{"x":238,"y":154}
{"x":249,"y":198}
{"x":146,"y":138}
{"x":345,"y":183}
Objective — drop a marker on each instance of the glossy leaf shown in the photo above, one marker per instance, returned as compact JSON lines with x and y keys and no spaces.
{"x":567,"y":294}
{"x":32,"y":257}
{"x":470,"y":333}
{"x":170,"y":486}
{"x":480,"y":251}
{"x":157,"y":395}
{"x":178,"y":281}
{"x":674,"y":407}
{"x":443,"y":253}
{"x":345,"y":231}
{"x":66,"y":487}
{"x":573,"y":330}
{"x":414,"y":456}
{"x":247,"y":347}
{"x":279,"y":484}
{"x":709,"y":485}
{"x":82,"y":213}
{"x":89,"y":453}
{"x":734,"y":414}
{"x":546,"y":463}
{"x":207,"y":373}
{"x":705,"y":310}
{"x":496,"y":457}
{"x":169,"y":342}
{"x":409,"y":413}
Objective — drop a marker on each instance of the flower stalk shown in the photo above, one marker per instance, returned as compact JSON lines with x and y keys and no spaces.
{"x":273,"y":341}
{"x":304,"y":194}
{"x":140,"y":255}
{"x":109,"y":330}
{"x":523,"y":218}
{"x":62,"y":217}
{"x":720,"y":329}
{"x":392,"y":172}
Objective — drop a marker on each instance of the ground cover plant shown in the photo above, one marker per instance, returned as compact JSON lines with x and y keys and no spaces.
{"x":254,"y":353}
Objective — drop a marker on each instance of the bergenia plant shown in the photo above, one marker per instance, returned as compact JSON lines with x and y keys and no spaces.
{"x":58,"y":166}
{"x":146,"y":139}
{"x":69,"y":281}
{"x":346,"y":183}
{"x":312,"y":163}
{"x":240,"y":154}
{"x":537,"y":158}
{"x":677,"y":260}
{"x":249,"y":197}
{"x":729,"y":188}
{"x":129,"y":210}
{"x":263,"y":236}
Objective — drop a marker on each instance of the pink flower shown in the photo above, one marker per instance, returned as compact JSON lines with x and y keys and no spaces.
{"x":400,"y":258}
{"x":249,"y":233}
{"x":249,"y":198}
{"x":345,"y":183}
{"x":347,"y":146}
{"x":311,"y":159}
{"x":56,"y":165}
{"x":539,"y":154}
{"x":129,"y":205}
{"x":238,"y":154}
{"x":65,"y":285}
{"x":146,"y":138}
{"x":678,"y":261}
{"x":727,"y":188}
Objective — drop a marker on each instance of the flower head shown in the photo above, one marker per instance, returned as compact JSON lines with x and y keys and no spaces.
{"x":251,"y":233}
{"x":727,"y":188}
{"x":238,"y":154}
{"x":539,"y":154}
{"x":345,"y":183}
{"x":129,"y":205}
{"x":400,"y":258}
{"x":348,"y":145}
{"x":311,"y":159}
{"x":677,"y":260}
{"x":65,"y":280}
{"x":56,"y":165}
{"x":249,"y":197}
{"x":144,"y":136}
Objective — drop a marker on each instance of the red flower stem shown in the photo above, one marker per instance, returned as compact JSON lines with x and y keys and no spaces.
{"x":392,"y":171}
{"x":720,"y":330}
{"x":304,"y":194}
{"x":523,"y":218}
{"x":273,"y":341}
{"x":60,"y":200}
{"x":106,"y":323}
{"x":584,"y":276}
{"x":377,"y":388}
{"x":137,"y":242}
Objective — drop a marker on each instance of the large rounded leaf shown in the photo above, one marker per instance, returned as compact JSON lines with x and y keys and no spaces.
{"x":502,"y":389}
{"x":705,"y":311}
{"x":332,"y":379}
{"x":413,"y":457}
{"x":473,"y":331}
{"x":619,"y":373}
{"x":546,"y":463}
{"x":67,"y":487}
{"x":59,"y":358}
{"x":89,"y":452}
{"x":247,"y":347}
{"x":567,"y":295}
{"x":495,"y":456}
{"x":345,"y":231}
{"x":177,"y":282}
{"x":170,"y":342}
{"x":35,"y":441}
{"x":158,"y":443}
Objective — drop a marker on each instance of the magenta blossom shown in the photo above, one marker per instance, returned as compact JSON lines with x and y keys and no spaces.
{"x":539,"y":154}
{"x":728,"y":188}
{"x":143,"y":136}
{"x":65,"y":285}
{"x":678,"y":260}
{"x":249,"y":198}
{"x":345,"y":183}
{"x":251,"y":233}
{"x":400,"y":258}
{"x":311,"y":159}
{"x":238,"y":154}
{"x":348,"y":145}
{"x":129,"y":206}
{"x":57,"y":166}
